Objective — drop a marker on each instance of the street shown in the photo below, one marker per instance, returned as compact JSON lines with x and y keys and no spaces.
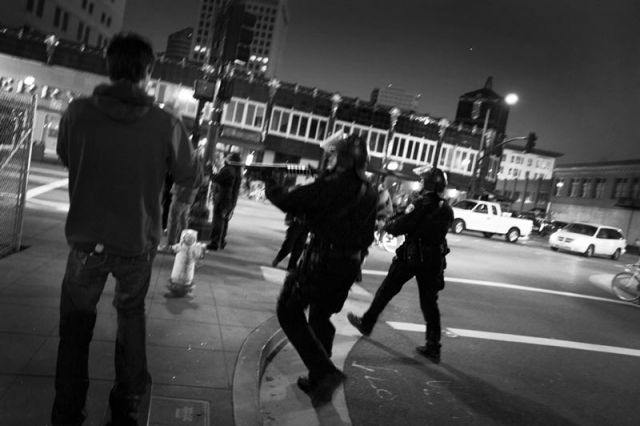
{"x":531,"y":336}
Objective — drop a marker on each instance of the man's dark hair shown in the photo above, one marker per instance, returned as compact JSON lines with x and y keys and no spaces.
{"x":128,"y":56}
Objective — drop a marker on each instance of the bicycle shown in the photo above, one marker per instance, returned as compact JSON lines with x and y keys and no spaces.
{"x":626,"y":285}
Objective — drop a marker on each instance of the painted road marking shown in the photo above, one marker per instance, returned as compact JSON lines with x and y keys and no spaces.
{"x":516,"y":287}
{"x":55,"y":205}
{"x":176,"y":411}
{"x":61,"y":173}
{"x":503,"y":337}
{"x":39,"y":190}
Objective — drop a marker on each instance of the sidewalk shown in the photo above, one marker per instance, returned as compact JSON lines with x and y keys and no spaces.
{"x":193,"y":343}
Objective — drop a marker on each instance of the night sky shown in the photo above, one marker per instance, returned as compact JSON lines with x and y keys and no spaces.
{"x":575,"y":64}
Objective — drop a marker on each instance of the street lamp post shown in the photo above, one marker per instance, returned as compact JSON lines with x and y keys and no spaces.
{"x":273,"y":84}
{"x":443,"y":125}
{"x":486,"y":141}
{"x":394,"y":113}
{"x":335,"y":103}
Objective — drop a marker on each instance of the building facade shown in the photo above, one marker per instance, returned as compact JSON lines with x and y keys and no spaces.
{"x":268,"y":120}
{"x":269,"y":33}
{"x":526,"y":178}
{"x":91,"y":22}
{"x":395,"y":97}
{"x":179,"y":44}
{"x":602,"y":192}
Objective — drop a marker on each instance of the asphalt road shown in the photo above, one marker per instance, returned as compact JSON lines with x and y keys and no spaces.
{"x":531,"y":336}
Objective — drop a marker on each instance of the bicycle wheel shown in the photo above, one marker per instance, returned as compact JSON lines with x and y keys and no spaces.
{"x":626,"y":286}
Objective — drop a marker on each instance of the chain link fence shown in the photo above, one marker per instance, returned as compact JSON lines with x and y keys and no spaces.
{"x":16,"y":123}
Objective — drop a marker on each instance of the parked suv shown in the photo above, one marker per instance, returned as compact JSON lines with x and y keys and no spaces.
{"x":589,"y":239}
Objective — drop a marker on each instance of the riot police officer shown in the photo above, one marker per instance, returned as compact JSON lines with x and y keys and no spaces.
{"x":339,"y":209}
{"x":425,"y":224}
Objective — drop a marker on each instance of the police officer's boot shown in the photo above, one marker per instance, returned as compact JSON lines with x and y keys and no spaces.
{"x":431,"y":350}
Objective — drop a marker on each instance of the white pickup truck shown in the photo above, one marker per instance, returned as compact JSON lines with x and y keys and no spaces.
{"x":488,"y":218}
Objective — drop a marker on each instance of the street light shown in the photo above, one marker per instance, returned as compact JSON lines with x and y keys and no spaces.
{"x":274,"y":85}
{"x":477,"y":179}
{"x":443,"y":124}
{"x":394,"y":113}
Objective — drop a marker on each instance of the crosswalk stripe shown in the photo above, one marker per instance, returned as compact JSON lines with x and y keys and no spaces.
{"x":516,"y":338}
{"x":39,"y":190}
{"x":514,"y":287}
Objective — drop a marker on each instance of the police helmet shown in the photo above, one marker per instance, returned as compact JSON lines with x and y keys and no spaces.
{"x":353,"y":153}
{"x":434,"y":179}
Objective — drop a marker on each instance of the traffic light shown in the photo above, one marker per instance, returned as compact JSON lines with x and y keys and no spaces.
{"x":531,"y":142}
{"x":239,"y":33}
{"x":204,"y":90}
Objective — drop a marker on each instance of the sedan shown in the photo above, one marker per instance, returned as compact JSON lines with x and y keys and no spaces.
{"x":589,"y":239}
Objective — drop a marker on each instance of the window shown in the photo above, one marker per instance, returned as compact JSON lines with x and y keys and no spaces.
{"x":575,"y":188}
{"x":239,"y":113}
{"x":482,"y":208}
{"x":90,"y":8}
{"x":259,"y":118}
{"x":475,"y":111}
{"x":284,"y":123}
{"x":80,"y":31}
{"x":65,"y":21}
{"x":600,"y":185}
{"x":620,"y":188}
{"x":322,"y":130}
{"x":84,"y":4}
{"x":40,"y":8}
{"x":102,"y":17}
{"x":228,"y":113}
{"x":295,"y":121}
{"x":313,"y":128}
{"x":29,"y":5}
{"x":580,"y":228}
{"x":56,"y":17}
{"x":108,"y":21}
{"x":87,"y":33}
{"x":251,"y":113}
{"x":302,"y":131}
{"x":587,"y":188}
{"x":635,"y":189}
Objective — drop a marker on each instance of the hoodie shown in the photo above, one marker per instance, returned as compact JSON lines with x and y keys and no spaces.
{"x":118,"y":147}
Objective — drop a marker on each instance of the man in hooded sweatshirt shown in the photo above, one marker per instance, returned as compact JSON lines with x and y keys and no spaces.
{"x":118,"y":147}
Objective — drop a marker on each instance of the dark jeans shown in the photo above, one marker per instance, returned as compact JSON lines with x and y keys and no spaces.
{"x":219,"y":226}
{"x":324,"y":293}
{"x":430,"y":282}
{"x":293,"y":243}
{"x":82,"y":286}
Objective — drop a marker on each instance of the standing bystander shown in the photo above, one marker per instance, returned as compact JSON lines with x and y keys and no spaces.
{"x":117,"y":147}
{"x":225,"y":196}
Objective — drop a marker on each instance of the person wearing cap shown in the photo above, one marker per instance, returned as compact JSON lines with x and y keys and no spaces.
{"x":339,"y":208}
{"x":422,"y":255}
{"x":225,"y":196}
{"x":118,"y":147}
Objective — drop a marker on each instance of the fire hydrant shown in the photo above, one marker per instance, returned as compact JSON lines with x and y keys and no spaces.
{"x":187,"y":251}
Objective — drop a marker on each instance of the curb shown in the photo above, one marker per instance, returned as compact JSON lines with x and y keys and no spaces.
{"x":260,"y":346}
